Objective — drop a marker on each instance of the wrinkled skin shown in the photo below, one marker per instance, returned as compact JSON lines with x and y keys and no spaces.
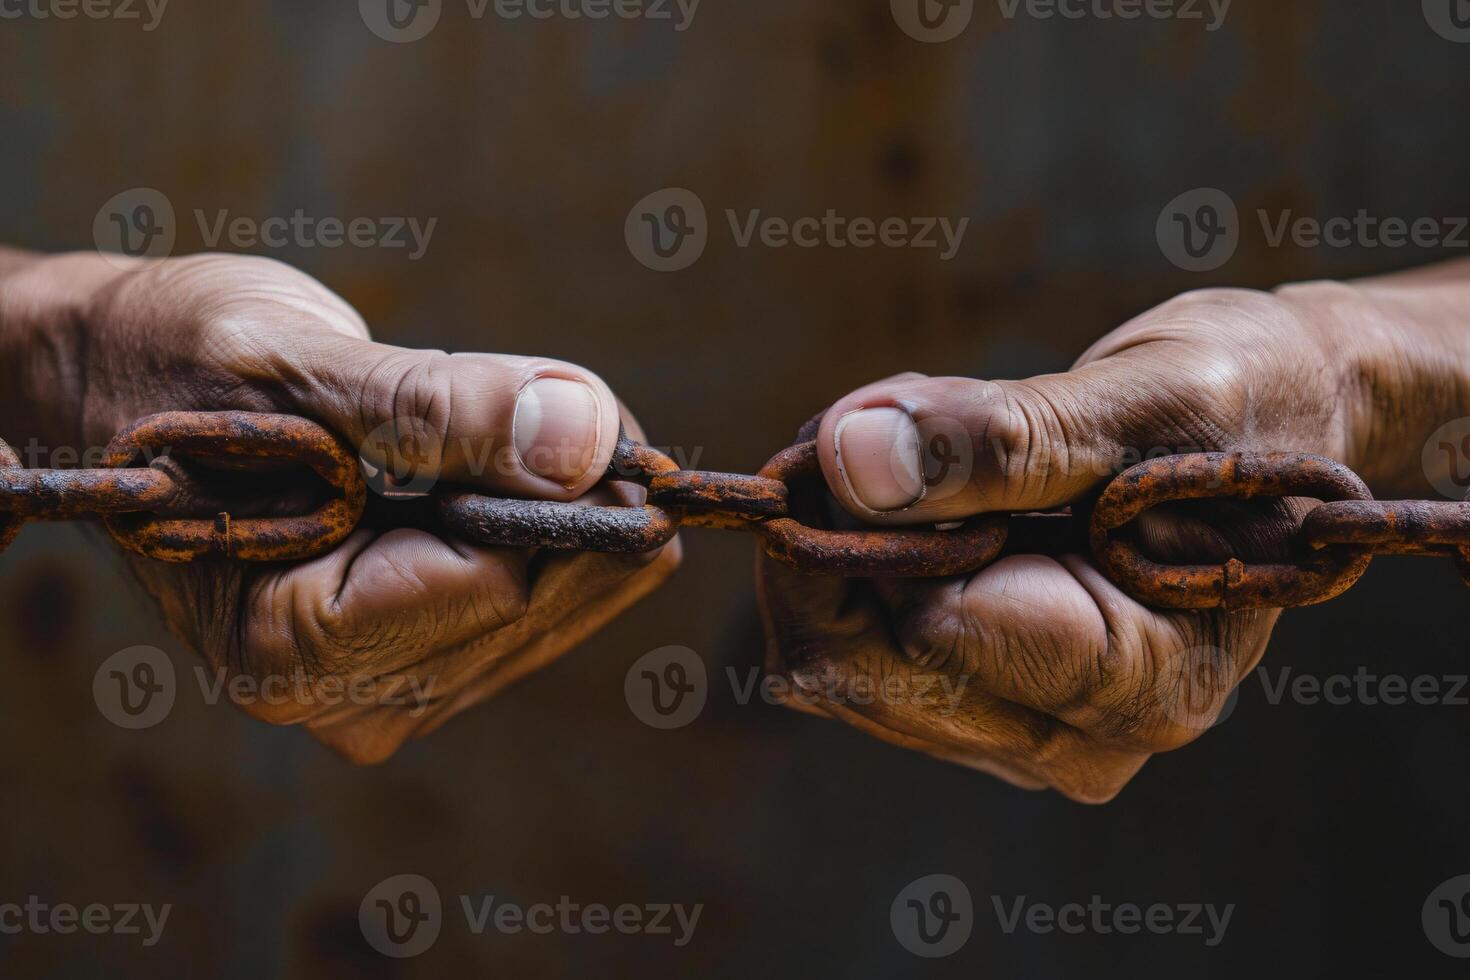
{"x":1038,"y":669}
{"x":92,"y":348}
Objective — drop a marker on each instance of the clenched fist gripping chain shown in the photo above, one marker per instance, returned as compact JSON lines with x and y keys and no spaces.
{"x":184,"y":486}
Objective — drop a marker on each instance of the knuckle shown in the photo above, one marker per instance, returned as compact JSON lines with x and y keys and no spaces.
{"x":1171,"y":698}
{"x":281,"y":713}
{"x":658,"y":563}
{"x":1220,"y":297}
{"x":1084,"y":783}
{"x":500,"y":603}
{"x":360,"y":745}
{"x":336,"y":639}
{"x":1025,"y":438}
{"x":405,"y":384}
{"x":933,"y":635}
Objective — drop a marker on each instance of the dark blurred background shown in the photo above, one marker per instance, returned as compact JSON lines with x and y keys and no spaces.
{"x":530,"y":140}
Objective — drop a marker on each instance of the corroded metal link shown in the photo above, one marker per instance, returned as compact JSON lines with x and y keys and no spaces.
{"x":549,"y":524}
{"x":883,"y":554}
{"x":731,"y":494}
{"x":569,"y":526}
{"x":171,"y":510}
{"x":1316,"y":576}
{"x":58,"y":495}
{"x":10,"y":524}
{"x":725,"y":500}
{"x":1391,"y":527}
{"x":880,"y":553}
{"x":1395,"y":527}
{"x":240,"y":435}
{"x":127,"y":496}
{"x":637,"y":463}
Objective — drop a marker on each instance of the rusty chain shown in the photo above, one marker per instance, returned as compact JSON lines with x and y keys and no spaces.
{"x":164,"y":492}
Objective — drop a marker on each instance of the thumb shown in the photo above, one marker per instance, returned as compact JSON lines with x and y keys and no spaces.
{"x":525,"y":426}
{"x":939,"y":449}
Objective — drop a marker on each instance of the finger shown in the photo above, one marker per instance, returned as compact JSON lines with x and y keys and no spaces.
{"x":1193,"y":662}
{"x":562,"y":632}
{"x":805,"y":616}
{"x":938,"y":449}
{"x":836,"y":650}
{"x":1057,"y":637}
{"x":578,"y":595}
{"x":940,"y":710}
{"x":380,"y":603}
{"x":1070,"y":762}
{"x":523,"y":426}
{"x":572,"y":595}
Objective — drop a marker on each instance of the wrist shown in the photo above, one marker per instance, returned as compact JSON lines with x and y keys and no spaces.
{"x":45,"y":318}
{"x":1400,"y":347}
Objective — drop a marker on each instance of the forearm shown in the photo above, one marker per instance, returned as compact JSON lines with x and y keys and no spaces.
{"x":43,"y":306}
{"x":1404,"y":340}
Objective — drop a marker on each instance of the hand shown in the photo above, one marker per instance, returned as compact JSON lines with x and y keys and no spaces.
{"x":1038,"y":669}
{"x":425,"y":627}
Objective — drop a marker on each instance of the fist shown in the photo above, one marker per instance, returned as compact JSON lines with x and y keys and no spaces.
{"x":339,"y":641}
{"x":1037,"y":668}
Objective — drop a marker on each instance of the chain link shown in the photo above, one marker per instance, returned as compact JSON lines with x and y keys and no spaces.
{"x":171,"y":507}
